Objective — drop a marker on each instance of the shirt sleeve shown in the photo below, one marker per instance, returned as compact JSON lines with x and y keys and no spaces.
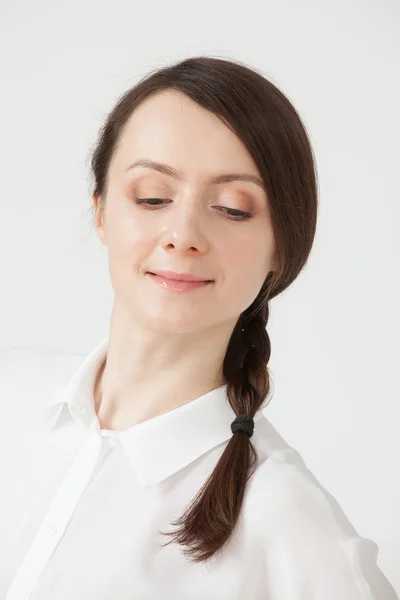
{"x":314,"y":553}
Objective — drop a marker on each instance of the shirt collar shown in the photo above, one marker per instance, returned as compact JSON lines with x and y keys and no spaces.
{"x":161,"y":446}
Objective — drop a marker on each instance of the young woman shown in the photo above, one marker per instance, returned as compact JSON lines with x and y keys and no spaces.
{"x":147,"y":470}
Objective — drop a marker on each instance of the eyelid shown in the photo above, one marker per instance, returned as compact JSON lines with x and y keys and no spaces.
{"x":242,"y":216}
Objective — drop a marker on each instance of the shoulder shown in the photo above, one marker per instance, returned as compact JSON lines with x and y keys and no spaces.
{"x":30,"y":376}
{"x":286,"y":494}
{"x":31,"y":364}
{"x":306,"y":539}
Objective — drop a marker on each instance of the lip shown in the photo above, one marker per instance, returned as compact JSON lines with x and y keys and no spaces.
{"x":178,"y":285}
{"x":178,"y":276}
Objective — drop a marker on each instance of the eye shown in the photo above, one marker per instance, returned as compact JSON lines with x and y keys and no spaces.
{"x":238,"y":215}
{"x":147,"y":200}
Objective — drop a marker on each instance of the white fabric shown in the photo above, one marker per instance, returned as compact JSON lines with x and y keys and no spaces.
{"x":81,"y":509}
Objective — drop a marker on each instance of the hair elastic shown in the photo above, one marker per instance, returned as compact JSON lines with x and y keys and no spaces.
{"x":243,"y":423}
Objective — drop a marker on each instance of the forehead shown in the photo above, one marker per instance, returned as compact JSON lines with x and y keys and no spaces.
{"x":170,"y":127}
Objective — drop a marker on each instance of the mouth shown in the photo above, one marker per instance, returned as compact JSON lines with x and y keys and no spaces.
{"x":170,"y":275}
{"x":178,"y":285}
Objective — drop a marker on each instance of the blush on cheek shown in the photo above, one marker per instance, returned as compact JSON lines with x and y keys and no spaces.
{"x":247,"y":265}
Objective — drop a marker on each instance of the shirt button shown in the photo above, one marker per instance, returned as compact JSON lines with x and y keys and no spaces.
{"x":52,"y":530}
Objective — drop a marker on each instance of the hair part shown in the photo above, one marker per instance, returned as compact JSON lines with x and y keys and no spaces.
{"x":272,"y":131}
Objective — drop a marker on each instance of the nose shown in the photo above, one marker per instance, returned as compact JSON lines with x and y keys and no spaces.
{"x":186,"y":229}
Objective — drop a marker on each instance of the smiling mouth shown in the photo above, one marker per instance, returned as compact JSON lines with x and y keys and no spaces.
{"x":183,"y":280}
{"x":177,"y":285}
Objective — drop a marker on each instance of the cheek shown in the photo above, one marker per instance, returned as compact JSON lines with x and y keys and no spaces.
{"x":128,"y":254}
{"x":245,"y":267}
{"x":246,"y":259}
{"x":127,"y":238}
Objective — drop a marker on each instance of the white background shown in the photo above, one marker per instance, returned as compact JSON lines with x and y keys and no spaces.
{"x":335,"y":332}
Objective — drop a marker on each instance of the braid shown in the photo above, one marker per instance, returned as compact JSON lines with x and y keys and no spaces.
{"x":208,"y":522}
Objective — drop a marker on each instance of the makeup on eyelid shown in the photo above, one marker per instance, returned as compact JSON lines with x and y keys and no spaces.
{"x":227,"y":204}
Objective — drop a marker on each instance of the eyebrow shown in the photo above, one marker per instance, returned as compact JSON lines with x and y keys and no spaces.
{"x":222,"y":178}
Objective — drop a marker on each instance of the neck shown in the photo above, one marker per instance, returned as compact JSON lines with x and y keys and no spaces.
{"x":146,"y":375}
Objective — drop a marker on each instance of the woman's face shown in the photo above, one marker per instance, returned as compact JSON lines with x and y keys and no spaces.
{"x":193,"y":226}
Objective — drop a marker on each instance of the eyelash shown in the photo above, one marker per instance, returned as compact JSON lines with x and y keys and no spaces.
{"x":240,"y":216}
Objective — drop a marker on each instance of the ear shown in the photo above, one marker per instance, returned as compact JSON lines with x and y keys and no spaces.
{"x":99,"y":217}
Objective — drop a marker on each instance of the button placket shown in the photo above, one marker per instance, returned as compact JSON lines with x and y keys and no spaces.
{"x":52,"y":530}
{"x":56,"y":520}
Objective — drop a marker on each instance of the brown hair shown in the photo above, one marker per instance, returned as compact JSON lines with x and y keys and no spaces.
{"x":274,"y":135}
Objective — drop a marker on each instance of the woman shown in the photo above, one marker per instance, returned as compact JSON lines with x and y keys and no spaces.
{"x":147,"y":470}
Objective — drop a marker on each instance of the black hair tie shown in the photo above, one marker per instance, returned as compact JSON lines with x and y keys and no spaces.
{"x":243,"y":423}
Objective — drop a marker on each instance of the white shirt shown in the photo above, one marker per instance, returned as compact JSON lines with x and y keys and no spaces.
{"x":81,"y":508}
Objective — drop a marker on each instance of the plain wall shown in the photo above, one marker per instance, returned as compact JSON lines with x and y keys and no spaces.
{"x":335,"y":332}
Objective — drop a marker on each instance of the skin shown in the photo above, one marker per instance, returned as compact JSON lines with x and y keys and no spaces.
{"x":167,"y":348}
